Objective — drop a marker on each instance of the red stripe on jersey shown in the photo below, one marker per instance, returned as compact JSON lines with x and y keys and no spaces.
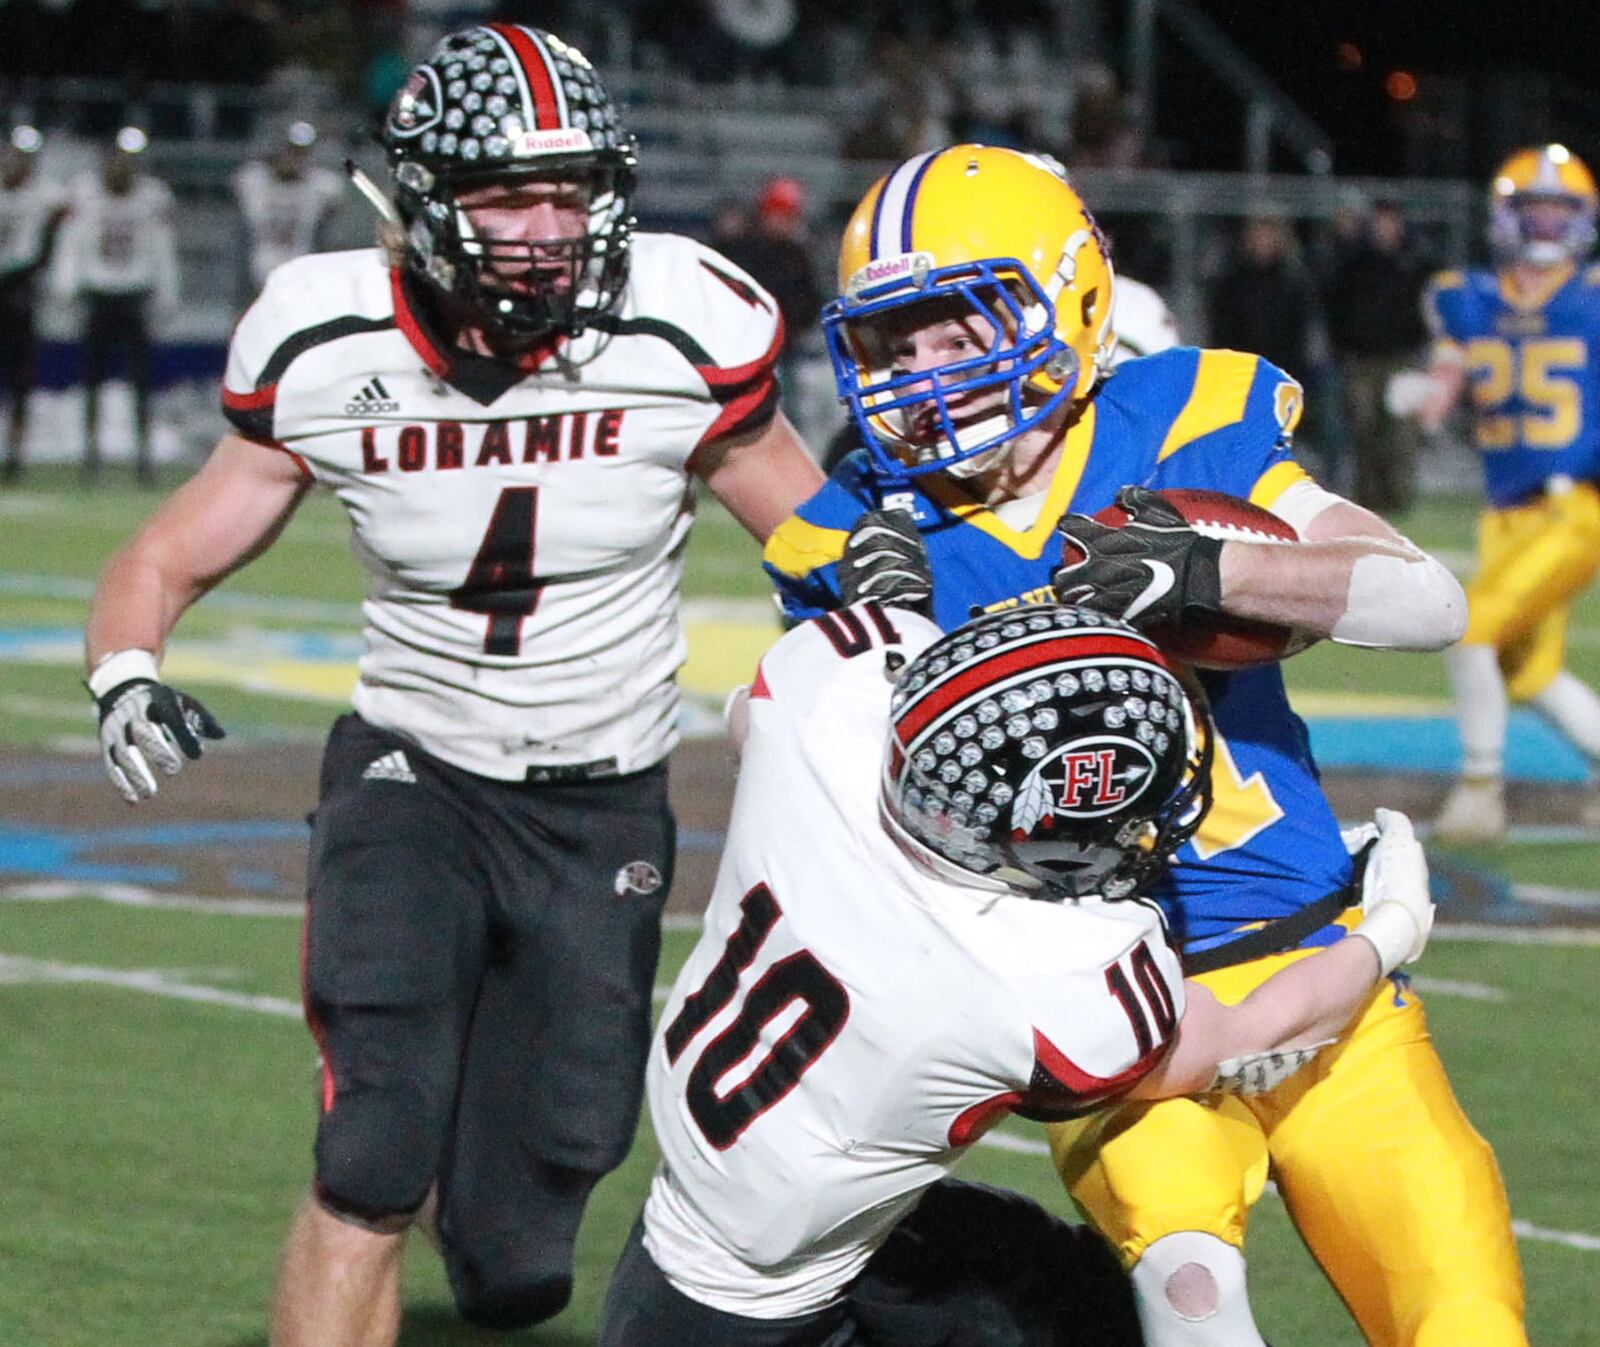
{"x":1085,"y":1088}
{"x":751,"y":296}
{"x":747,"y":412}
{"x":256,"y":401}
{"x":975,"y":1121}
{"x":730,"y":376}
{"x":1061,"y":647}
{"x":759,"y":691}
{"x":546,"y":111}
{"x":406,"y":321}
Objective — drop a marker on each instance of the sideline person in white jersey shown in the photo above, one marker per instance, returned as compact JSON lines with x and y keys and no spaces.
{"x":284,"y":199}
{"x":929,"y":916}
{"x":512,"y":401}
{"x":1141,"y":321}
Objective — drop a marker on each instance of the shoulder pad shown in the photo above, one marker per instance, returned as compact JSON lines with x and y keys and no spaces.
{"x":725,"y":323}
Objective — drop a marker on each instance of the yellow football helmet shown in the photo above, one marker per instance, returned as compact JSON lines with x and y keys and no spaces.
{"x":993,"y":234}
{"x":1522,"y":228}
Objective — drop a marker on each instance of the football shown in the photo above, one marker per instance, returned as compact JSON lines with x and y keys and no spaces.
{"x":1222,"y":641}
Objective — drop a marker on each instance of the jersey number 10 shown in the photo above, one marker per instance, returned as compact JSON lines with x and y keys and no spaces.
{"x":798,"y":980}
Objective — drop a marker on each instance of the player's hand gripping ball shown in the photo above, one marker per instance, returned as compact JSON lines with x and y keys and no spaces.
{"x":1152,"y":559}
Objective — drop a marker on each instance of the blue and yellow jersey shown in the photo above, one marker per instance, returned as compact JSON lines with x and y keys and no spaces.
{"x":1535,"y":392}
{"x":1217,"y":420}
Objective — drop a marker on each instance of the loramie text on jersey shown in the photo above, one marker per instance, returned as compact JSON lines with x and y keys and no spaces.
{"x":454,"y":444}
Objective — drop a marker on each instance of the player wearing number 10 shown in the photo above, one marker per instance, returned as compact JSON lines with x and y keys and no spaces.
{"x":971,"y":340}
{"x":1525,"y":339}
{"x":510,"y":399}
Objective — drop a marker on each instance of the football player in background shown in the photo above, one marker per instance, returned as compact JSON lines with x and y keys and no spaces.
{"x":980,"y":376}
{"x":32,"y":209}
{"x":120,"y":261}
{"x":284,"y":200}
{"x":1525,"y":338}
{"x":929,"y":915}
{"x":512,"y":399}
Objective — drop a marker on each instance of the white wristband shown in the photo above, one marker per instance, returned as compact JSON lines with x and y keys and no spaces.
{"x":1391,"y":930}
{"x":118,"y":668}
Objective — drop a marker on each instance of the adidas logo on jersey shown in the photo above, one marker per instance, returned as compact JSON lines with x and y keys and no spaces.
{"x":390,"y":767}
{"x":372,"y":399}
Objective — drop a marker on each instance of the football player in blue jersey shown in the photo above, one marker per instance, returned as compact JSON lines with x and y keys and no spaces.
{"x":972,"y":342}
{"x":1523,"y":339}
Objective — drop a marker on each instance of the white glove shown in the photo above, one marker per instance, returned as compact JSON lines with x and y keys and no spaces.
{"x":143,"y":721}
{"x":1397,"y":909}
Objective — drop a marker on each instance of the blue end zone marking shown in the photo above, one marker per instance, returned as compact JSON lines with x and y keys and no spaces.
{"x":1534,"y":751}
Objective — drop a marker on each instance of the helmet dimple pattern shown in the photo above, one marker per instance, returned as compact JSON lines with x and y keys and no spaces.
{"x":469,"y":86}
{"x":982,"y":758}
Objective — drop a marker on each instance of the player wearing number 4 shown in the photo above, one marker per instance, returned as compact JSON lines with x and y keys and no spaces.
{"x":929,"y":914}
{"x":971,"y":340}
{"x":511,"y":399}
{"x":1523,"y":338}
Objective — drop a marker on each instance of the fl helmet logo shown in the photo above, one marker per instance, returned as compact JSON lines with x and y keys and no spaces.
{"x":419,"y":104}
{"x":1090,"y":778}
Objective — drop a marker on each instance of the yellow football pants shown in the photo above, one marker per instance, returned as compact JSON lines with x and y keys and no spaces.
{"x":1533,"y":560}
{"x":1394,"y":1193}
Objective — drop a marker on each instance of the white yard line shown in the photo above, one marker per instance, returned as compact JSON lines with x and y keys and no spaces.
{"x":16,"y":969}
{"x":134,"y":895}
{"x":1469,"y":991}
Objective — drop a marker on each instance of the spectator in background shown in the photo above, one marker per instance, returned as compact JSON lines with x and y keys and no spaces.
{"x":285,"y":199}
{"x":777,"y":252}
{"x":119,"y":259}
{"x":1372,"y":300}
{"x":730,"y":225}
{"x":32,"y":209}
{"x":1264,"y":299}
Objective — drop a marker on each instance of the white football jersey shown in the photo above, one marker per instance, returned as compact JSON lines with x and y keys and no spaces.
{"x":26,"y":213}
{"x":1142,"y":321}
{"x":120,"y":243}
{"x":282,"y":214}
{"x":522,"y":524}
{"x":850,"y":1022}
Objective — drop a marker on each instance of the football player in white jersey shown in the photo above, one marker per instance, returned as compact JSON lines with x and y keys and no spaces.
{"x":284,"y":199}
{"x":32,"y":209}
{"x":513,"y":401}
{"x":928,"y":916}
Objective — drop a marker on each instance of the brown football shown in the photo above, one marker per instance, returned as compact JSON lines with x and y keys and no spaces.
{"x":1222,"y":641}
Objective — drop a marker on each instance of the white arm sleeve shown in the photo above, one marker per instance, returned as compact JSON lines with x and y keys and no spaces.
{"x":1396,"y":601}
{"x":1402,"y":603}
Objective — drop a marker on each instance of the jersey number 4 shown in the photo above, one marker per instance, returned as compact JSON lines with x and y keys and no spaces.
{"x":501,"y":582}
{"x":797,"y":992}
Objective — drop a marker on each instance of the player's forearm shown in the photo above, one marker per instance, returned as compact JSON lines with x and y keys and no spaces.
{"x":136,"y":604}
{"x":1308,"y":1002}
{"x":1358,"y":591}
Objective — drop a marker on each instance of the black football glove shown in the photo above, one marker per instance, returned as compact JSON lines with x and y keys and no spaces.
{"x":886,"y":560}
{"x":144,"y":722}
{"x":1154,"y":569}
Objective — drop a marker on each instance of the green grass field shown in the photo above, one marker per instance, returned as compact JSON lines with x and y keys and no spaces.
{"x":157,"y":1103}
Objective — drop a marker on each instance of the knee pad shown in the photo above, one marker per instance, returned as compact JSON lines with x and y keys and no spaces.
{"x":1190,"y":1291}
{"x":374,"y":1159}
{"x":509,"y":1298}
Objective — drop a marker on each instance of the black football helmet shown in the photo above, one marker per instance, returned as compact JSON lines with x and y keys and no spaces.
{"x":1050,"y":748}
{"x":493,"y":104}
